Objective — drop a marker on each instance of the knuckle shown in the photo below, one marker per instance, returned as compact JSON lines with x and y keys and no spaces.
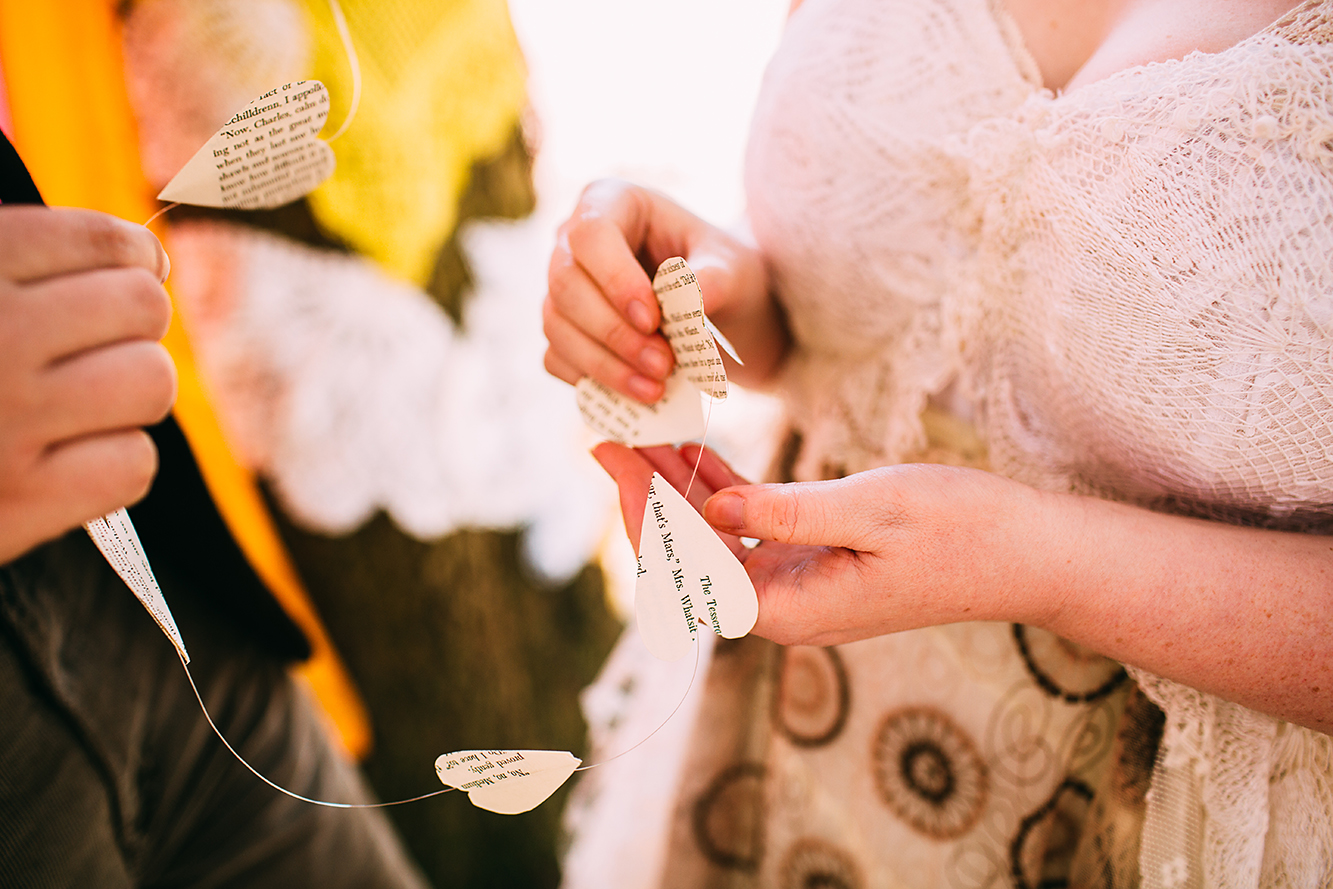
{"x":112,"y":241}
{"x":611,"y":371}
{"x":785,"y":514}
{"x":601,"y":191}
{"x":150,"y":300}
{"x":586,"y":226}
{"x":621,"y":339}
{"x":554,"y":324}
{"x":558,"y":368}
{"x":561,"y":278}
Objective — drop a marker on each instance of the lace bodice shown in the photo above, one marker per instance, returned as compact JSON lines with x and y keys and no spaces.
{"x":1130,"y":281}
{"x":1128,"y":287}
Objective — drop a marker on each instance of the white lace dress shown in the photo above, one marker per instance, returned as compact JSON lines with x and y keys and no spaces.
{"x":1127,"y":291}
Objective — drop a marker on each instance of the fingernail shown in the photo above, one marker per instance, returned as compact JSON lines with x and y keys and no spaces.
{"x":640,"y":317}
{"x":644,"y":389}
{"x":726,"y":511}
{"x":656,"y":360}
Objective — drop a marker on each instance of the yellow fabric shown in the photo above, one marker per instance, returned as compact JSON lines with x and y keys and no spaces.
{"x":74,"y":128}
{"x":442,"y":87}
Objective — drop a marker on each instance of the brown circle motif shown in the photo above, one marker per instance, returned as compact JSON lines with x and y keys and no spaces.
{"x":812,"y":863}
{"x":729,"y":817}
{"x":1042,"y":851}
{"x":1065,"y":669}
{"x":813,"y":697}
{"x":928,"y":771}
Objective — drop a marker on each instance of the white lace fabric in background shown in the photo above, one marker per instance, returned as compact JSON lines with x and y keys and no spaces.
{"x":1128,"y":286}
{"x":352,"y":392}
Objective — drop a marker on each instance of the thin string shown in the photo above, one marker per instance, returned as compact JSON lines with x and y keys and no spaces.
{"x":332,"y":805}
{"x":693,"y":673}
{"x":341,"y":22}
{"x":280,"y":789}
{"x":173,"y":205}
{"x":702,"y":441}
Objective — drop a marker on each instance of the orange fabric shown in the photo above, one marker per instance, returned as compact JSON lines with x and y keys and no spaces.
{"x":75,"y":130}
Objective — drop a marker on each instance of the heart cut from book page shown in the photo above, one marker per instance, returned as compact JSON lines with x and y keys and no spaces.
{"x":686,"y":576}
{"x":507,"y":782}
{"x":677,"y":416}
{"x":265,"y":156}
{"x":684,"y":326}
{"x":119,"y":544}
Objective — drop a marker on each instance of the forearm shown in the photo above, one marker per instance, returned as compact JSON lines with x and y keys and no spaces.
{"x":1242,"y":613}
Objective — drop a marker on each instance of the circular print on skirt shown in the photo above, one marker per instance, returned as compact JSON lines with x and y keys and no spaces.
{"x":928,"y":771}
{"x":1043,"y":849}
{"x":729,"y":817}
{"x":813,"y":696}
{"x":1065,"y":669}
{"x":812,"y":863}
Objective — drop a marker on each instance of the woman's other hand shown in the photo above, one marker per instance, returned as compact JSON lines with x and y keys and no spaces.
{"x":600,"y":315}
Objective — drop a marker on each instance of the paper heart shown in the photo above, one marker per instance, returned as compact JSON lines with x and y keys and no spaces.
{"x":684,"y":326}
{"x":677,"y":415}
{"x":508,"y":782}
{"x":119,"y":543}
{"x":265,"y":156}
{"x":686,"y":576}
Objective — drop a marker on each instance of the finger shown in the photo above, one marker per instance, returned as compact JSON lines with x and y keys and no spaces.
{"x":92,"y":476}
{"x":590,"y":358}
{"x":73,"y":313}
{"x":607,"y":228}
{"x":632,"y":474}
{"x":44,"y":242}
{"x":561,"y":369}
{"x":583,"y":301}
{"x":73,"y":484}
{"x":118,"y":387}
{"x":679,"y":473}
{"x":813,"y":513}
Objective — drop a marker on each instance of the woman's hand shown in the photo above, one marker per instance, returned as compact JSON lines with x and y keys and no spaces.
{"x":81,"y":310}
{"x":1239,"y":612}
{"x":889,"y":549}
{"x":881,"y":551}
{"x":601,"y":317}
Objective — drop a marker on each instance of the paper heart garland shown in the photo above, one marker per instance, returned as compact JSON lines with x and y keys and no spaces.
{"x":686,"y":575}
{"x":265,"y":156}
{"x":507,"y":782}
{"x":677,"y":416}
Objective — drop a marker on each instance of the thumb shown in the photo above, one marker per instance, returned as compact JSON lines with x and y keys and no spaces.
{"x":808,"y":513}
